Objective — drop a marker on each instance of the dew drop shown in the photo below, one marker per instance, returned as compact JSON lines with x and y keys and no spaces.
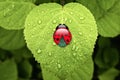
{"x":34,"y":25}
{"x":39,"y":22}
{"x":64,"y":50}
{"x":52,"y":61}
{"x":73,"y":48}
{"x":71,"y":12}
{"x":4,"y":14}
{"x":52,"y":13}
{"x":81,"y":18}
{"x":89,"y":35}
{"x":68,"y":65}
{"x":43,"y":11}
{"x":74,"y":54}
{"x":65,"y":19}
{"x":38,"y":11}
{"x":39,"y":51}
{"x":74,"y":41}
{"x":47,"y":9}
{"x":91,"y":29}
{"x":53,"y":29}
{"x":28,"y":24}
{"x":54,"y":21}
{"x":8,"y":10}
{"x":60,"y":18}
{"x":13,"y":6}
{"x":32,"y":36}
{"x":50,"y":27}
{"x":80,"y":55}
{"x":76,"y":48}
{"x":49,"y":53}
{"x":80,"y":33}
{"x":70,"y":21}
{"x":59,"y":66}
{"x":48,"y":32}
{"x":82,"y":22}
{"x":78,"y":58}
{"x":81,"y":42}
{"x":54,"y":44}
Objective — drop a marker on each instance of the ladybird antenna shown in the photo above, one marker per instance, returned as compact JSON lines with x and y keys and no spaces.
{"x":66,"y":26}
{"x":58,"y":26}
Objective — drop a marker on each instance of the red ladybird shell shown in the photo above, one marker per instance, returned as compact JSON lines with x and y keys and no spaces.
{"x":62,"y":36}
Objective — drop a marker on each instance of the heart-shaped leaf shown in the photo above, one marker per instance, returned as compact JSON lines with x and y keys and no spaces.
{"x":13,"y":13}
{"x":72,"y":62}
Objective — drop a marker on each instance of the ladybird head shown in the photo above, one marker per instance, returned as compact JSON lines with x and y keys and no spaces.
{"x":61,"y":26}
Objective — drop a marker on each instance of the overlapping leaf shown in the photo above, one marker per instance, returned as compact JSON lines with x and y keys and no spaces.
{"x":107,"y":14}
{"x":109,"y":74}
{"x":13,"y":13}
{"x":8,"y":70}
{"x":11,"y":39}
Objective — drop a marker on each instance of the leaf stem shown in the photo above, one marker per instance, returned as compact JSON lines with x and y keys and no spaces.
{"x":62,"y":2}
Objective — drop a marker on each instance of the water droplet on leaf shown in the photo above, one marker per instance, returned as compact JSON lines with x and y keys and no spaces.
{"x":91,"y":29}
{"x":28,"y":24}
{"x":71,"y":12}
{"x":80,"y":33}
{"x":54,"y":21}
{"x":53,"y":29}
{"x":70,"y":21}
{"x":68,"y":65}
{"x":73,"y":48}
{"x":65,"y":19}
{"x":59,"y":65}
{"x":49,"y":53}
{"x":76,"y":48}
{"x":43,"y":11}
{"x":34,"y":25}
{"x":39,"y":51}
{"x":74,"y":54}
{"x":54,"y":44}
{"x":4,"y":14}
{"x":81,"y":18}
{"x":13,"y":6}
{"x":39,"y":22}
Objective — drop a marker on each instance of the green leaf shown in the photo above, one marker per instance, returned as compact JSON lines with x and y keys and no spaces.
{"x":111,"y":56}
{"x":24,"y":52}
{"x":13,"y":13}
{"x":25,"y":69}
{"x":33,"y":1}
{"x":67,"y":1}
{"x":21,"y":54}
{"x":94,"y":7}
{"x":107,"y":14}
{"x":106,"y":5}
{"x":8,"y":70}
{"x":104,"y":42}
{"x":11,"y":39}
{"x":109,"y":75}
{"x":72,"y":62}
{"x":107,"y":58}
{"x":2,"y":54}
{"x":42,"y":1}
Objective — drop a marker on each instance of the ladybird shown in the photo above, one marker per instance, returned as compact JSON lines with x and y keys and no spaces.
{"x":62,"y":36}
